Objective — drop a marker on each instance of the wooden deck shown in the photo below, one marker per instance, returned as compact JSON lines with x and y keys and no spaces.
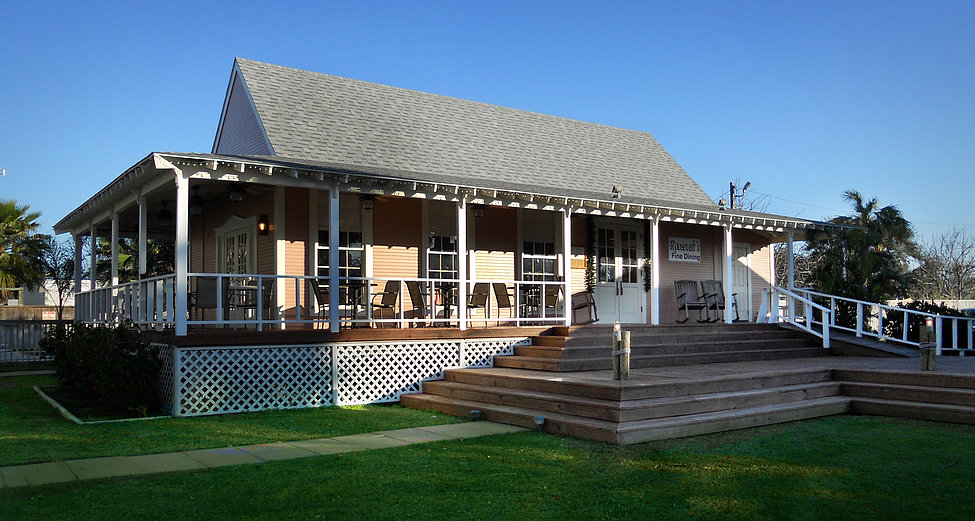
{"x":250,"y":337}
{"x":695,"y":392}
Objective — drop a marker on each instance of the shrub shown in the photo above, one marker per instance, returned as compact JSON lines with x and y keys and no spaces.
{"x":112,"y":367}
{"x":894,"y":324}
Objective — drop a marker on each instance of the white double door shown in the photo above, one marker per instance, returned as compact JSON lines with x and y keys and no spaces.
{"x":619,"y":290}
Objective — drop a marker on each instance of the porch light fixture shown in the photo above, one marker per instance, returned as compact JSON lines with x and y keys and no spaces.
{"x":164,"y":217}
{"x":237,"y":194}
{"x":368,"y":202}
{"x":196,"y":202}
{"x":617,"y":190}
{"x":262,"y":225}
{"x":478,"y":211}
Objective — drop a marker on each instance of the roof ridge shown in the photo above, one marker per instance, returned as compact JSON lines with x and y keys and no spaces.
{"x":445,"y":96}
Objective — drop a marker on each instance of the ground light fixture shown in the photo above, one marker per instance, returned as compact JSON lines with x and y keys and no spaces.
{"x":475,"y":414}
{"x":539,"y":421}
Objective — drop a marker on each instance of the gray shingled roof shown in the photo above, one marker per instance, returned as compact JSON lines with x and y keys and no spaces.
{"x":370,"y":127}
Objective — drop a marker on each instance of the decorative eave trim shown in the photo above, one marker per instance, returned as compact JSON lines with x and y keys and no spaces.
{"x":234,"y":169}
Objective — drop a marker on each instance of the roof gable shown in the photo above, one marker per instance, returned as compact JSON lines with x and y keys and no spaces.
{"x":240,"y":130}
{"x":335,"y":120}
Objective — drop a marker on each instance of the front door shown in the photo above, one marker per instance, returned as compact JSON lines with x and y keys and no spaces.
{"x":742,"y":277}
{"x":619,"y":290}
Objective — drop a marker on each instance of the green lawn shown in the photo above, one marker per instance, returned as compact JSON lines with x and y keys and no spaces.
{"x":32,"y":431}
{"x":833,"y":468}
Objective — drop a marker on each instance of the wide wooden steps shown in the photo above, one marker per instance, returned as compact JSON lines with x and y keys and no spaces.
{"x":918,"y":395}
{"x":699,"y":400}
{"x":587,"y":348}
{"x":632,"y":412}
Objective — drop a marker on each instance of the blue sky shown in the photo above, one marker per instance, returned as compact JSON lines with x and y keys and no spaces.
{"x":803,"y":99}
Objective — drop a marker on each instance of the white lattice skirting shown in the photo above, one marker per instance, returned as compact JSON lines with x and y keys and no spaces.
{"x":197,"y":381}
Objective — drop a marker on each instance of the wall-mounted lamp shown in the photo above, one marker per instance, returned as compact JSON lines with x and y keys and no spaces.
{"x":196,"y":202}
{"x":617,"y":190}
{"x":368,"y":202}
{"x":165,"y":217}
{"x":478,"y":211}
{"x":237,"y":194}
{"x":262,"y":225}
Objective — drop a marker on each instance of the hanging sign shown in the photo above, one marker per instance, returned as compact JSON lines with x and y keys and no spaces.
{"x":684,"y":250}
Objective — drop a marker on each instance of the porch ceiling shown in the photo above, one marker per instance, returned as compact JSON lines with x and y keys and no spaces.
{"x":151,"y":176}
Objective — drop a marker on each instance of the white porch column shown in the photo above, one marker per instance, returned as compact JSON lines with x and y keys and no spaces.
{"x":182,"y":250}
{"x":143,"y":235}
{"x":792,"y":261}
{"x":655,"y":271}
{"x":311,"y":249}
{"x":114,"y":248}
{"x":280,"y":253}
{"x":78,"y":244}
{"x":333,"y":259}
{"x":462,"y":264}
{"x":93,"y":267}
{"x":567,"y":263}
{"x":728,"y":274}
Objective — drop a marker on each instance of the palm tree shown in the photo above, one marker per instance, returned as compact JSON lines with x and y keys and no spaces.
{"x":866,"y":260}
{"x":21,"y":247}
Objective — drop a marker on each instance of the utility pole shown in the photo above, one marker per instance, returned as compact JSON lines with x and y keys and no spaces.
{"x":744,"y":190}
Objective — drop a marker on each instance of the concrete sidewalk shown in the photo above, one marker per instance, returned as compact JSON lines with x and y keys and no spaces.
{"x":116,"y":466}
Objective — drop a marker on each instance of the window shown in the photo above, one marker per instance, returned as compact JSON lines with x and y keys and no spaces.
{"x":442,"y":257}
{"x":351,"y":250}
{"x":539,"y":261}
{"x":350,"y":254}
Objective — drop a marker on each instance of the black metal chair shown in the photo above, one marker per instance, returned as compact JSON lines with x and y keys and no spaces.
{"x":503,"y":299}
{"x":419,"y":302}
{"x":478,"y":299}
{"x":689,"y":297}
{"x":386,"y":306}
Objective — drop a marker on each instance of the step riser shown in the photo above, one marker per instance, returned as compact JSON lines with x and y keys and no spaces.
{"x":602,"y":411}
{"x":918,"y":412}
{"x":700,"y":405}
{"x":549,"y":404}
{"x":480,"y":378}
{"x":564,"y":427}
{"x":910,"y":379}
{"x":910,"y":394}
{"x":610,"y":391}
{"x":704,"y":347}
{"x":676,"y":338}
{"x":737,"y":422}
{"x":642,"y":362}
{"x":689,"y":329}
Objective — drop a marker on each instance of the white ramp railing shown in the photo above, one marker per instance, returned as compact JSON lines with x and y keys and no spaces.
{"x":786,"y":306}
{"x":889,"y":323}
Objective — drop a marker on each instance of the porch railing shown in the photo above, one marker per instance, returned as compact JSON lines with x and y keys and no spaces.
{"x":796,"y":309}
{"x":148,"y":302}
{"x":889,"y":323}
{"x":20,"y":340}
{"x":251,"y":300}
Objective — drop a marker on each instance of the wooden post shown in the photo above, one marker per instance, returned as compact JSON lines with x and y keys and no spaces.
{"x":927,"y":344}
{"x":624,"y":357}
{"x":617,"y":340}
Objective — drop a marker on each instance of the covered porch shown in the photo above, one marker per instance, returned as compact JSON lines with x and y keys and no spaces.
{"x":254,"y":240}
